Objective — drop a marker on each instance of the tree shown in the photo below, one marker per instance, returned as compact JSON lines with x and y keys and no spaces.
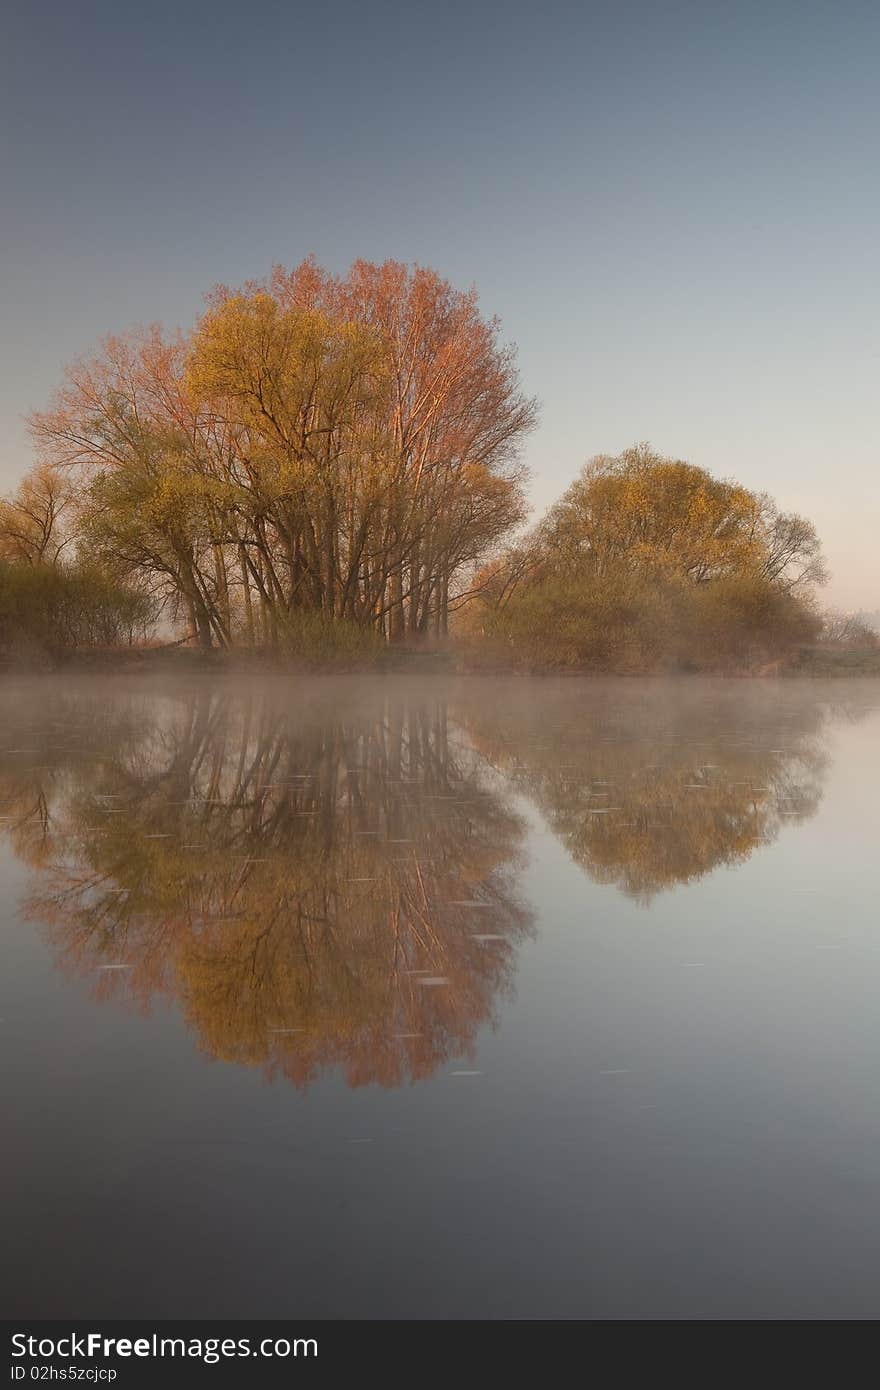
{"x":32,"y":521}
{"x":458,"y":418}
{"x":648,"y":559}
{"x":666,"y":518}
{"x":304,"y":398}
{"x":848,"y":629}
{"x":337,"y":447}
{"x":413,"y":473}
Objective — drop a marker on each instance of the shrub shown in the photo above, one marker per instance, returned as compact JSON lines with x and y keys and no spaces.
{"x":319,"y":640}
{"x":46,"y":609}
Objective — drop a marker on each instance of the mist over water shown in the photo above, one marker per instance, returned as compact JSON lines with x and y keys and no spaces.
{"x":476,"y":997}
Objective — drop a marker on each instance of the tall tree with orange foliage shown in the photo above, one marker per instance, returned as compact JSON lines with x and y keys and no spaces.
{"x":340,"y":448}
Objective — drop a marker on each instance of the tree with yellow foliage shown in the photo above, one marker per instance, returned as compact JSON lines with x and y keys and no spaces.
{"x":647,"y":560}
{"x":318,"y":448}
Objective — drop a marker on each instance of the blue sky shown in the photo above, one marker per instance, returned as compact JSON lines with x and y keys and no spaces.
{"x":672,"y":207}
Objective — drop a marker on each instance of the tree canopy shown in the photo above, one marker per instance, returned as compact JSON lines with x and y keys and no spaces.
{"x":336,"y":446}
{"x":646,"y":558}
{"x":332,"y":463}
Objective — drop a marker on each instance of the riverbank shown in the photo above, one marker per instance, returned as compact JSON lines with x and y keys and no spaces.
{"x":818,"y":660}
{"x":830,"y":660}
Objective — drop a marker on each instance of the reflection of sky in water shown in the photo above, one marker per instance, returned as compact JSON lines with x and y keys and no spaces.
{"x":644,"y":1041}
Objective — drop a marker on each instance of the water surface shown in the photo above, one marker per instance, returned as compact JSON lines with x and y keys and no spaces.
{"x":474,"y":998}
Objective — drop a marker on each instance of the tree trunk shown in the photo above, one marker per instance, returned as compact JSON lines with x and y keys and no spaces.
{"x":248,"y":606}
{"x":396,"y":616}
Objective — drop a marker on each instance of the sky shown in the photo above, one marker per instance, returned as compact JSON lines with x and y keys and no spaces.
{"x":672,"y":207}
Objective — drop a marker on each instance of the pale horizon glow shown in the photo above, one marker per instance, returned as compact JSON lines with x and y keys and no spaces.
{"x":673,"y":210}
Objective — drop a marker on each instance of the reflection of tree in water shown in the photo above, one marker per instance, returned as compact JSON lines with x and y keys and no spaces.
{"x":653,"y":786}
{"x":316,"y":887}
{"x":296,"y":876}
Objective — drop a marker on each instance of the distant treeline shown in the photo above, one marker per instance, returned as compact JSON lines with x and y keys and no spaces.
{"x":330,"y":465}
